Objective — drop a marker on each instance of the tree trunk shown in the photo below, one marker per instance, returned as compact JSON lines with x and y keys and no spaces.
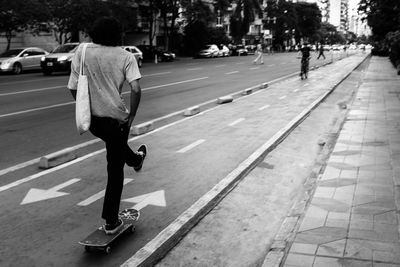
{"x":8,"y":37}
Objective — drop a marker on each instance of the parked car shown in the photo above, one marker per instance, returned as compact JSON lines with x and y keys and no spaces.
{"x":150,"y":52}
{"x":239,"y":50}
{"x":223,"y":51}
{"x":19,"y":59}
{"x":59,"y":59}
{"x":136,"y":52}
{"x":211,"y":50}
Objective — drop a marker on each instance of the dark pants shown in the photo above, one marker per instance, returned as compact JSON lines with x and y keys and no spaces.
{"x":115,"y":137}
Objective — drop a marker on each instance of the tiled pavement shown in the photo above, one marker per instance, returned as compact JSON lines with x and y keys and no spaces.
{"x":353,"y":218}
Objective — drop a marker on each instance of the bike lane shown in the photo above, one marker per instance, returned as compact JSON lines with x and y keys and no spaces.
{"x":44,"y":218}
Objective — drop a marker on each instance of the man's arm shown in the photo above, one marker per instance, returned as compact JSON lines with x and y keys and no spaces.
{"x":136,"y":93}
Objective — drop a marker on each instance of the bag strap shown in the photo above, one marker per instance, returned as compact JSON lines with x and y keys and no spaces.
{"x":83,"y":58}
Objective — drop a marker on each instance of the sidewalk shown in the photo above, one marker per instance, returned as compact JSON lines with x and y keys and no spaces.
{"x":353,"y":218}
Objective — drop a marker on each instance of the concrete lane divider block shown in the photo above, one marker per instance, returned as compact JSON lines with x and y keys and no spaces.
{"x":247,"y":91}
{"x":57,"y":158}
{"x":191,"y":111}
{"x":142,"y":128}
{"x":264,"y":85}
{"x":225,"y":99}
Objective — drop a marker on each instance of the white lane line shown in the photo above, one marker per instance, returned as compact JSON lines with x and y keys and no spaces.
{"x":73,"y":102}
{"x":34,"y":90}
{"x":32,"y":80}
{"x":191,"y":146}
{"x":59,"y":167}
{"x":36,"y":109}
{"x":99,"y":195}
{"x":155,"y":74}
{"x":219,"y":66}
{"x":240,"y":63}
{"x":236,"y":122}
{"x":195,"y":69}
{"x":232,"y":72}
{"x":255,"y":68}
{"x":295,"y":90}
{"x":264,"y":107}
{"x":282,"y":97}
{"x":305,"y":84}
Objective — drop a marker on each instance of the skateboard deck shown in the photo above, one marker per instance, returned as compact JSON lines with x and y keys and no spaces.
{"x":101,"y":241}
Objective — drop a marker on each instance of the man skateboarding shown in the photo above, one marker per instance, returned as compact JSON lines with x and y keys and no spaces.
{"x":107,"y":67}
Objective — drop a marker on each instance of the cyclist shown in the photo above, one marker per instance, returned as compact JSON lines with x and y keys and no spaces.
{"x":305,"y":59}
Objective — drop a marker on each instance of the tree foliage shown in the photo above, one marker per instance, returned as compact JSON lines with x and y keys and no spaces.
{"x":244,"y":13}
{"x":383,"y":16}
{"x":19,"y":15}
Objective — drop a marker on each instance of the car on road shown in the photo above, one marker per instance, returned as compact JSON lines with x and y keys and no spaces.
{"x":210,"y":50}
{"x":150,"y":52}
{"x":136,"y":52}
{"x":239,"y":50}
{"x":223,"y":51}
{"x":59,"y":59}
{"x":17,"y":60}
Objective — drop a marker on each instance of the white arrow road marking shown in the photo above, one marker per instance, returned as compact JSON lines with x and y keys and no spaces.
{"x":35,"y":195}
{"x":189,"y":147}
{"x":99,"y":195}
{"x":236,"y":122}
{"x":156,"y":198}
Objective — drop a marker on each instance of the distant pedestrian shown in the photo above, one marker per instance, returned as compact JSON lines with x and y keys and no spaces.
{"x":107,"y":66}
{"x":260,"y":56}
{"x":321,"y":51}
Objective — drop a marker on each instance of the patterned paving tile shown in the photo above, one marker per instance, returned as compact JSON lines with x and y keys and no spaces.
{"x":337,"y":182}
{"x":303,"y":248}
{"x":329,"y":204}
{"x":299,"y":260}
{"x":332,"y":249}
{"x":321,"y":235}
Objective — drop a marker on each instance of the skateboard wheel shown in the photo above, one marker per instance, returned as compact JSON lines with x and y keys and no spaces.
{"x":107,"y":250}
{"x":132,"y":229}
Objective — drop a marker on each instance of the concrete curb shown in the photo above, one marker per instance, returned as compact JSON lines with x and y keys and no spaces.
{"x":225,"y":99}
{"x":288,"y":229}
{"x":154,"y":250}
{"x":57,"y":158}
{"x":191,"y":111}
{"x":142,"y":128}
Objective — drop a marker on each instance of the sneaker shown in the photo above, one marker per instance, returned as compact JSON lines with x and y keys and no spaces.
{"x":111,"y":229}
{"x":142,"y":150}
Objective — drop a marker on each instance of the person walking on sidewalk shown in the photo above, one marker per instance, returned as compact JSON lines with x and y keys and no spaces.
{"x":260,"y":56}
{"x":107,"y":67}
{"x":321,"y":51}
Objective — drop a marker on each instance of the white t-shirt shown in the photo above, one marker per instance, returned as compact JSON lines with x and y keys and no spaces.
{"x":107,"y":68}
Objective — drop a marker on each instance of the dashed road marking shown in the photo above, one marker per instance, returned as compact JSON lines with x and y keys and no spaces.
{"x":264,"y":107}
{"x":255,"y":68}
{"x":232,"y":72}
{"x":282,"y":97}
{"x":236,"y":122}
{"x":191,"y":146}
{"x":295,"y":90}
{"x":195,"y":69}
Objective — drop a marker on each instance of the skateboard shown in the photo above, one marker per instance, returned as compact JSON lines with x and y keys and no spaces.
{"x":99,"y":240}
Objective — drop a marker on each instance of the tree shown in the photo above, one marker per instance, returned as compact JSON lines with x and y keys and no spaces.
{"x":245,"y":13}
{"x":19,"y":15}
{"x":308,"y":19}
{"x":383,"y":16}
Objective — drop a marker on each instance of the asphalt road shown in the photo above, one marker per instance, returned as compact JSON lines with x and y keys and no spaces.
{"x":44,"y":215}
{"x":37,"y":112}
